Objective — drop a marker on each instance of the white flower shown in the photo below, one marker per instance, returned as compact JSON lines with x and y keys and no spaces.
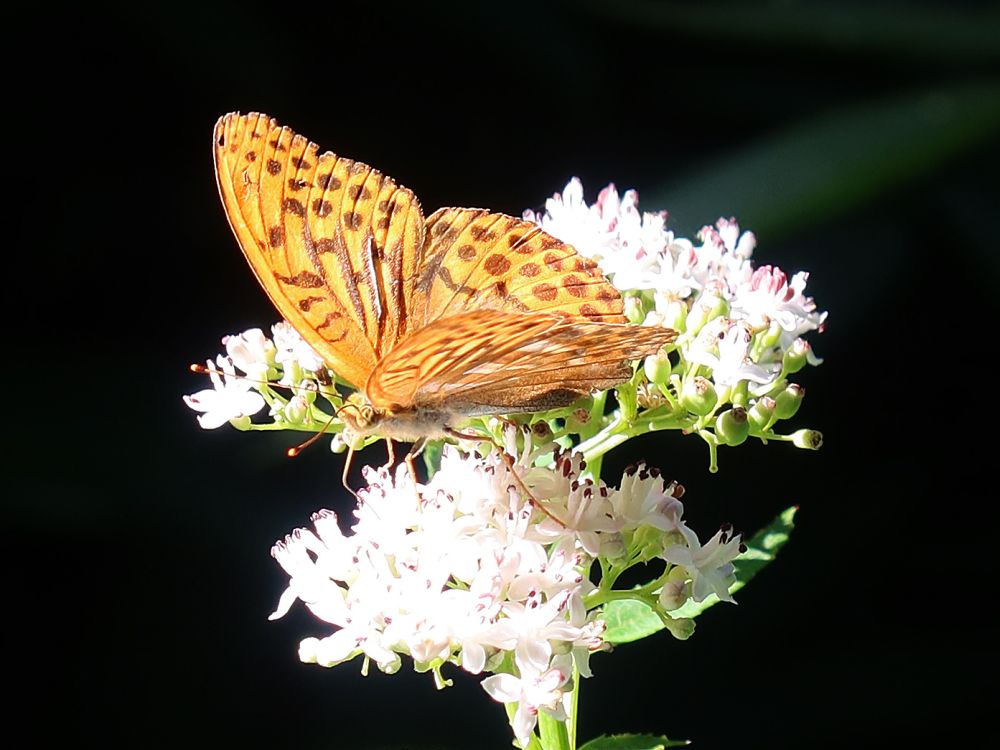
{"x":466,"y":570}
{"x":765,"y":294}
{"x":732,"y":363}
{"x":586,"y":516}
{"x":562,"y":571}
{"x":534,"y":624}
{"x":251,"y":351}
{"x":644,"y":499}
{"x":532,"y":691}
{"x":291,"y":346}
{"x":677,"y":276}
{"x":710,"y":566}
{"x":231,"y":397}
{"x":433,"y":571}
{"x":625,"y":243}
{"x":568,"y":217}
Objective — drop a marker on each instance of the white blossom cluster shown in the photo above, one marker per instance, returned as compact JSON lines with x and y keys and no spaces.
{"x":467,"y":570}
{"x":236,"y":397}
{"x":738,"y":321}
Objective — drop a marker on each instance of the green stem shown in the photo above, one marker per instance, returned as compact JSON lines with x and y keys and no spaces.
{"x":619,"y":431}
{"x":774,"y":436}
{"x":554,"y":733}
{"x":642,"y":594}
{"x":573,"y":706}
{"x":612,"y":435}
{"x":713,"y":450}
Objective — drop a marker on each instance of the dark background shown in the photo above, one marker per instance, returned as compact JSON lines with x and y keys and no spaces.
{"x":859,"y":143}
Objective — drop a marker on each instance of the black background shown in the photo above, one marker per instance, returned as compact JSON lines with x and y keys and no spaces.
{"x":859,"y":143}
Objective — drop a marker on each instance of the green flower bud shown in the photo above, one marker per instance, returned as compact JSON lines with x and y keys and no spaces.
{"x":696,"y":318}
{"x":291,"y":371}
{"x":717,"y":306}
{"x":789,"y":400}
{"x":647,"y":543}
{"x":635,"y":311}
{"x":681,"y":629}
{"x":771,"y":336}
{"x":675,"y":315}
{"x":796,"y":356}
{"x":542,"y":430}
{"x":307,"y":391}
{"x":674,"y":594}
{"x":296,"y":410}
{"x":809,"y":439}
{"x":732,"y":427}
{"x":241,"y":423}
{"x":613,"y":548}
{"x":698,"y":396}
{"x":337,"y":445}
{"x":657,"y":367}
{"x":671,"y":538}
{"x":761,"y":413}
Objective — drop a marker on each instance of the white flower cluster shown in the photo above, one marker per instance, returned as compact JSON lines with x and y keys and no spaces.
{"x":737,"y":320}
{"x":235,"y":398}
{"x":467,"y":570}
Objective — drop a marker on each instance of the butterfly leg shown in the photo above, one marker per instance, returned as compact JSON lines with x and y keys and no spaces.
{"x":415,"y":450}
{"x":509,"y":463}
{"x":347,"y":468}
{"x":390,"y":452}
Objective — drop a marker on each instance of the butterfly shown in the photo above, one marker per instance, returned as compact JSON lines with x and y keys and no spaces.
{"x":434,"y":320}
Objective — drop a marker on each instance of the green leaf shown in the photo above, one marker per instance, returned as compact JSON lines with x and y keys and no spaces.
{"x":629,"y":620}
{"x":632,"y":742}
{"x":824,"y":167}
{"x":432,"y":456}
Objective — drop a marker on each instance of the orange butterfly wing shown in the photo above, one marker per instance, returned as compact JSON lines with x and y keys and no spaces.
{"x":474,"y":259}
{"x":485,"y":362}
{"x":333,"y":242}
{"x":481,"y":309}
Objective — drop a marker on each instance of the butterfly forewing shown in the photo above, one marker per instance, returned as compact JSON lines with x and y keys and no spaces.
{"x":474,"y":259}
{"x":333,"y":241}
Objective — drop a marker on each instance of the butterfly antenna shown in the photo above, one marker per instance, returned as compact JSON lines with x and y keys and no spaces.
{"x":296,"y":450}
{"x":202,"y":370}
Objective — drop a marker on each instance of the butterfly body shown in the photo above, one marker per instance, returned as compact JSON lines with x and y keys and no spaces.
{"x":463,"y":314}
{"x":407,"y":424}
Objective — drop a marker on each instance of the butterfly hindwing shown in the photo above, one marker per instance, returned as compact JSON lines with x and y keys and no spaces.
{"x":334,"y":242}
{"x":487,"y":361}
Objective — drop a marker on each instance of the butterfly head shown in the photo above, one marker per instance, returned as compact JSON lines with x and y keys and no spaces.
{"x":359,"y":416}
